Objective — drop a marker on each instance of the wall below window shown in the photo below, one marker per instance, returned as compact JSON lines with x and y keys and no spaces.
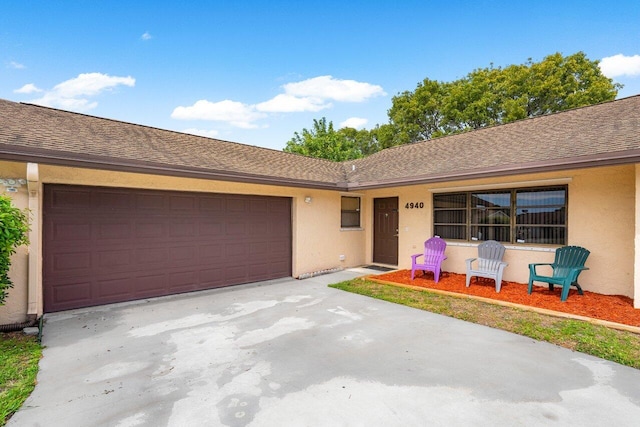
{"x":601,"y":218}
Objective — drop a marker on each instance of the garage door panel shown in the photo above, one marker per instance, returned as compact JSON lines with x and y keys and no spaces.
{"x":236,"y":204}
{"x":236,"y":274}
{"x":70,"y":231}
{"x":182,"y":228}
{"x":72,"y":199}
{"x":211,"y":228}
{"x":186,"y":203}
{"x":74,"y":262}
{"x":112,"y":290}
{"x":235,"y":251}
{"x":107,"y":260}
{"x":152,"y":256}
{"x":70,"y":294}
{"x":211,"y":253}
{"x":109,"y":229}
{"x":114,"y":200}
{"x":150,"y":284}
{"x":258,"y":206}
{"x":150,"y":203}
{"x":147,"y":228}
{"x":104,"y":245}
{"x":183,"y":281}
{"x":212,"y":277}
{"x":211,"y":203}
{"x":258,"y":249}
{"x":183,"y":256}
{"x":236,"y":228}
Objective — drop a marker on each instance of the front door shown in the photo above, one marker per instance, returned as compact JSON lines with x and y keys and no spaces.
{"x":385,"y":231}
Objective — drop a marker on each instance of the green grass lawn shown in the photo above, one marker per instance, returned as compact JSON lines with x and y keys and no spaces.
{"x":19,"y":357}
{"x":618,"y":346}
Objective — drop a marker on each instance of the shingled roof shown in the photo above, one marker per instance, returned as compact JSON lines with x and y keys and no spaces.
{"x":46,"y":135}
{"x":603,"y":134}
{"x":598,"y":135}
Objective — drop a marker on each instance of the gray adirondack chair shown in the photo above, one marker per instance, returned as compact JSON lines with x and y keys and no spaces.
{"x":567,"y":266}
{"x":488,"y":264}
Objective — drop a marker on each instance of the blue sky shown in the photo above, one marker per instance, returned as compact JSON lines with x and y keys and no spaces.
{"x":255,"y":72}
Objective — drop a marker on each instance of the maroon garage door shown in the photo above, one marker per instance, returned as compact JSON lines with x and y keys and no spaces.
{"x":105,"y":245}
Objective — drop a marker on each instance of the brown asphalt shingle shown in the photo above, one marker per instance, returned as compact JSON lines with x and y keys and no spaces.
{"x":608,"y":133}
{"x":47,"y":133}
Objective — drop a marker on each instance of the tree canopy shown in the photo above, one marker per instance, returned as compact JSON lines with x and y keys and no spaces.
{"x":324,"y":142}
{"x":484,"y":97}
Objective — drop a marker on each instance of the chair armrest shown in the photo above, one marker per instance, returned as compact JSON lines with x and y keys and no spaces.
{"x":532,"y":267}
{"x":540,"y":263}
{"x":415,"y":257}
{"x":469,"y":261}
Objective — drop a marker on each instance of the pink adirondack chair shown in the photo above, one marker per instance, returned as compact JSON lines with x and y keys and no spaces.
{"x":432,"y":258}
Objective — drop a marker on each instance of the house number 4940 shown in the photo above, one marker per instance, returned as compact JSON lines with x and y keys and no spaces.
{"x":416,"y":205}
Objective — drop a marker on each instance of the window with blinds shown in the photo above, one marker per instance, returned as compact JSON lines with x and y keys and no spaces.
{"x":525,"y":215}
{"x":350,"y":212}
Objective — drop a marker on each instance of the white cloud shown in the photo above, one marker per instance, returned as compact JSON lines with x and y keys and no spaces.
{"x":620,"y":65}
{"x":91,"y":84}
{"x":16,"y":65}
{"x":28,"y":88}
{"x":285,"y":103}
{"x":326,"y":87}
{"x":312,"y":95}
{"x":146,"y":36}
{"x":203,"y":132}
{"x":236,"y":113}
{"x":72,"y":94}
{"x":354,"y":122}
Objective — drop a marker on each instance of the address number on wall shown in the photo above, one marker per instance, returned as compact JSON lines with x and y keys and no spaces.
{"x":416,"y":205}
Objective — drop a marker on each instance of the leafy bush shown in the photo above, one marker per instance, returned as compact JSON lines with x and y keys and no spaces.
{"x":14,"y":226}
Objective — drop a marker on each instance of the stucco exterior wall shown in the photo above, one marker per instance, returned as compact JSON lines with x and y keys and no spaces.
{"x":601,"y":206}
{"x":601,"y":209}
{"x":15,"y":308}
{"x":317,"y":241}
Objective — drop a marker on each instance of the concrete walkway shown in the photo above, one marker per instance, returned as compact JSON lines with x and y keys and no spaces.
{"x":297,"y":353}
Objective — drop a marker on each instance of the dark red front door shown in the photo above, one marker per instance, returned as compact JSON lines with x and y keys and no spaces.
{"x":385,"y":234}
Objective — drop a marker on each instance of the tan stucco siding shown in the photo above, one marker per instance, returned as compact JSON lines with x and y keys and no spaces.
{"x":317,"y":241}
{"x":636,"y":301}
{"x":601,"y":210}
{"x":15,"y":308}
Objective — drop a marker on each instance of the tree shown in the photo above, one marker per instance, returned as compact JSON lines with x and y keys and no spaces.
{"x":490,"y":96}
{"x":418,"y":115}
{"x":484,"y":97}
{"x":324,"y":142}
{"x":14,"y":226}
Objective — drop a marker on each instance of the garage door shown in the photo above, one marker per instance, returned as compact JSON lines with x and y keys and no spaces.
{"x":105,"y":245}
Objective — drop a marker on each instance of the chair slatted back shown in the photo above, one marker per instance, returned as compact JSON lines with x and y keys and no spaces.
{"x":569,"y":257}
{"x":434,"y":249}
{"x":490,"y":253}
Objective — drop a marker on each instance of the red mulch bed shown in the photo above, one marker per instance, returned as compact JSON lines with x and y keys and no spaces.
{"x":614,"y":308}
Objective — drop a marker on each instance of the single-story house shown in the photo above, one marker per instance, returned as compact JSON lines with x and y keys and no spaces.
{"x":122,"y":211}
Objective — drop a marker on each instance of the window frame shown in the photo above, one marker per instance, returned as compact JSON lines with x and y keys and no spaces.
{"x":354,"y":212}
{"x":475,"y":217}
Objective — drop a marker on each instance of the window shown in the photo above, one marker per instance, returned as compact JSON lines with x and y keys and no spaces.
{"x":530,"y":215}
{"x":350,"y":212}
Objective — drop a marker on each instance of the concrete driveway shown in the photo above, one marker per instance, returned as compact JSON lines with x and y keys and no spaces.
{"x":297,"y":353}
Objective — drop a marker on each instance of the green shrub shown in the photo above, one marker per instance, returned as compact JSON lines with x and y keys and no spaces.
{"x":14,"y":226}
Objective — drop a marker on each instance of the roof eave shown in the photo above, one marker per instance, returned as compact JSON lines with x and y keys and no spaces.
{"x":600,"y":160}
{"x":138,"y":166}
